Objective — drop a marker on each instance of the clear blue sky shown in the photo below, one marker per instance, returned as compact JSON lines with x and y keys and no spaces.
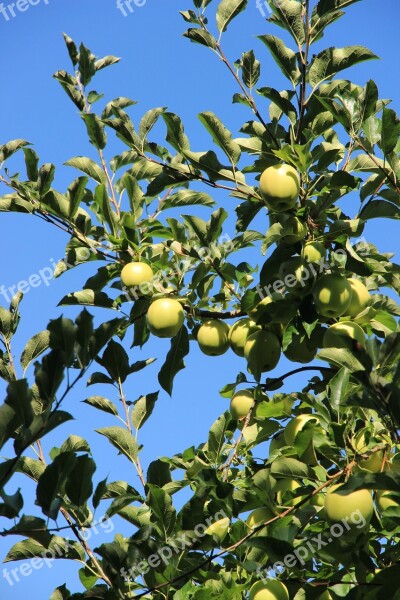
{"x":159,"y":68}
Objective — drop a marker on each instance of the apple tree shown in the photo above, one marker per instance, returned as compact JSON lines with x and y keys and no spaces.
{"x":291,"y":495}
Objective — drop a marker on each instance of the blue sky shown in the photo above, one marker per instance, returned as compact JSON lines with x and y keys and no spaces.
{"x":159,"y":68}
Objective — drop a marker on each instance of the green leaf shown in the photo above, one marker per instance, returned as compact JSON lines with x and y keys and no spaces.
{"x":163,"y":513}
{"x":86,"y":66}
{"x":175,"y":132}
{"x":288,"y":15}
{"x":250,"y":69}
{"x":221,"y":136}
{"x":121,"y":439}
{"x":87,"y":298}
{"x":10,"y":148}
{"x":95,"y":129}
{"x":174,"y":361}
{"x":51,"y":484}
{"x":69,"y":85}
{"x":142,"y":409}
{"x":89,"y":167}
{"x":281,"y":102}
{"x":199,"y":36}
{"x":120,"y":102}
{"x":106,"y":61}
{"x":149,"y":120}
{"x":45,"y":178}
{"x":228,"y":10}
{"x":342,"y":358}
{"x":102,"y":404}
{"x":34,"y":348}
{"x":338,"y":386}
{"x":375,"y":209}
{"x":187,"y":198}
{"x":31,"y":162}
{"x":61,"y":593}
{"x":290,"y":468}
{"x":390,"y":130}
{"x":72,"y":49}
{"x":284,"y":57}
{"x":79,"y":486}
{"x":116,"y":361}
{"x":103,"y":203}
{"x":216,"y":438}
{"x":332,"y":60}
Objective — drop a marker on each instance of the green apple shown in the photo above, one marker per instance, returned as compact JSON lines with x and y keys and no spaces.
{"x":339,"y":507}
{"x":262,"y":351}
{"x":213,"y":337}
{"x":280,"y":187}
{"x":293,"y":428}
{"x":332,"y":295}
{"x":360,"y":297}
{"x":318,"y":500}
{"x":219,"y":528}
{"x":296,"y":276}
{"x":343,"y":335}
{"x":314,"y":252}
{"x":239,"y":332}
{"x":241,"y":403}
{"x":301,"y":349}
{"x":165,"y":317}
{"x":272,"y":589}
{"x":384,"y":500}
{"x":294,"y":230}
{"x":135,"y":274}
{"x":259,"y":516}
{"x":375,"y":461}
{"x":260,"y":308}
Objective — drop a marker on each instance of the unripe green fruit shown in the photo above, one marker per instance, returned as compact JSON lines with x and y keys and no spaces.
{"x":213,"y":337}
{"x":332,"y":295}
{"x":294,"y":230}
{"x":343,"y":335}
{"x":374,"y":462}
{"x":339,"y":507}
{"x":165,"y":317}
{"x":219,"y":528}
{"x":296,"y":276}
{"x":271,"y":590}
{"x":239,"y":332}
{"x":280,"y":187}
{"x":317,"y":500}
{"x":300,"y":350}
{"x":314,"y":252}
{"x":135,"y":273}
{"x":259,"y":516}
{"x":294,"y":427}
{"x":260,"y":308}
{"x":241,"y":404}
{"x":360,"y":297}
{"x":262,"y":351}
